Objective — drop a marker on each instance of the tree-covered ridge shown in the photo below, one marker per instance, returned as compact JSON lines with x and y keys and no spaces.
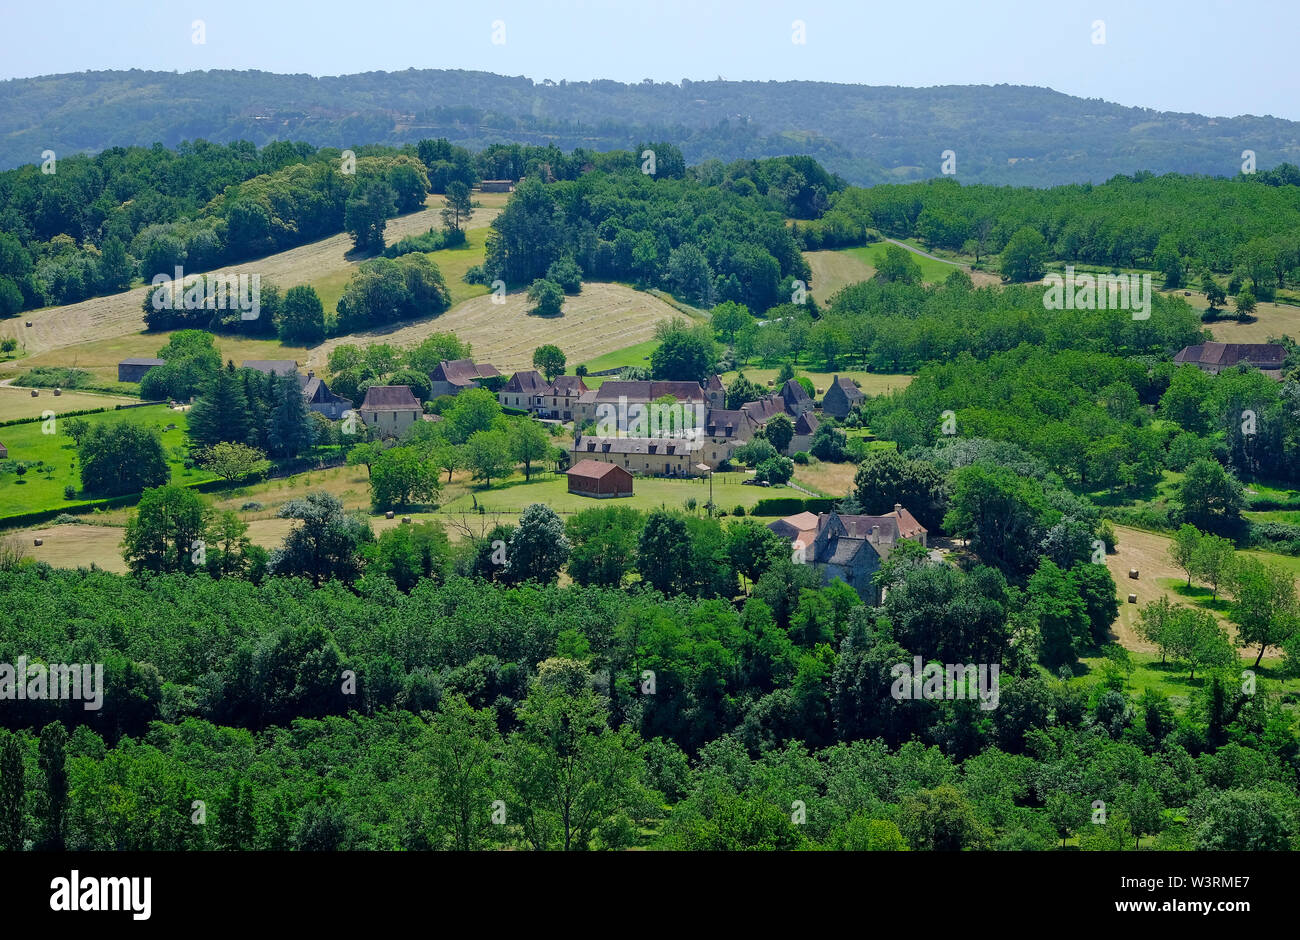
{"x":1129,"y":221}
{"x":1002,"y":134}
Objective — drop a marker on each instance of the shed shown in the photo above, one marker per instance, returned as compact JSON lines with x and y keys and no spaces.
{"x":599,"y":479}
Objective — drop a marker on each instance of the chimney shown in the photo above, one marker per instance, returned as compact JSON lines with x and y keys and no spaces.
{"x":898,"y":507}
{"x":875,"y":532}
{"x":311,"y":373}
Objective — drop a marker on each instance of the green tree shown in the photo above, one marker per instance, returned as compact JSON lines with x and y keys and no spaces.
{"x":232,"y":461}
{"x":568,"y":771}
{"x":897,"y":265}
{"x":529,"y":443}
{"x":603,"y":545}
{"x":366,"y":214}
{"x":1211,"y":498}
{"x":325,"y":545}
{"x":779,"y":432}
{"x":1198,"y":640}
{"x":221,"y":412}
{"x":401,"y":476}
{"x":728,"y":317}
{"x":13,"y":793}
{"x":538,"y":548}
{"x":122,"y":457}
{"x":1024,"y":255}
{"x":52,"y":761}
{"x":302,"y":317}
{"x":663,"y":552}
{"x":1267,"y":612}
{"x":546,"y":298}
{"x":165,"y":532}
{"x":459,"y":206}
{"x":487,"y":456}
{"x":940,"y":820}
{"x":1214,"y":561}
{"x":289,"y":431}
{"x":550,"y":360}
{"x":684,"y":353}
{"x":886,"y":478}
{"x":1245,"y":303}
{"x":458,"y":756}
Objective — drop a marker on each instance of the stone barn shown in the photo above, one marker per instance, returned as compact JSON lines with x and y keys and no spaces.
{"x":133,"y":370}
{"x":598,"y":479}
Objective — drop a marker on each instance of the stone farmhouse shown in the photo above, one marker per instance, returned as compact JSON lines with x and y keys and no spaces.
{"x":851,"y":548}
{"x":652,"y":456}
{"x":529,"y":391}
{"x":390,"y":409}
{"x":452,"y":378}
{"x":841,"y":397}
{"x":1213,"y":358}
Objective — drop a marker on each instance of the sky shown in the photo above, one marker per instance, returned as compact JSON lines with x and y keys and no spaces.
{"x":1216,"y":57}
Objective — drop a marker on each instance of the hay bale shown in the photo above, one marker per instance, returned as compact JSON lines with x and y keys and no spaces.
{"x":38,"y":542}
{"x":389,"y":514}
{"x":36,"y":393}
{"x":1132,"y":598}
{"x":406,"y":520}
{"x":1133,"y":573}
{"x":58,"y":392}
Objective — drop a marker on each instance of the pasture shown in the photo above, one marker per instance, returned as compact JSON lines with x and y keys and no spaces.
{"x":38,"y":490}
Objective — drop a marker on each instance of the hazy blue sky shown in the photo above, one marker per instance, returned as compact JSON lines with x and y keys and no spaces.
{"x":1220,"y":57}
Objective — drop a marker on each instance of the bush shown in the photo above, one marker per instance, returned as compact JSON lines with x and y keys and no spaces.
{"x":775,"y":470}
{"x":566,"y":273}
{"x":66,"y":518}
{"x":69,"y":492}
{"x":738,"y":511}
{"x":800,"y":457}
{"x":252,"y":505}
{"x":55,"y":377}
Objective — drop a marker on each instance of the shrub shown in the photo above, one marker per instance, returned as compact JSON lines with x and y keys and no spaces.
{"x":800,"y":457}
{"x":69,"y":492}
{"x":738,"y":511}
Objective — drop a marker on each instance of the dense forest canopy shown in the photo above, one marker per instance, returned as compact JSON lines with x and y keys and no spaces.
{"x":1001,"y":134}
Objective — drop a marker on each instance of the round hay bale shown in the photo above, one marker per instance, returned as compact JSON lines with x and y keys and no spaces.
{"x":58,"y":392}
{"x":1133,"y":573}
{"x":36,"y":393}
{"x":389,"y":514}
{"x":29,"y":322}
{"x":406,"y":520}
{"x":1132,"y":598}
{"x":38,"y":542}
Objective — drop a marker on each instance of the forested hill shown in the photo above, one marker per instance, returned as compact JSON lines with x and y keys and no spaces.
{"x":1001,"y":134}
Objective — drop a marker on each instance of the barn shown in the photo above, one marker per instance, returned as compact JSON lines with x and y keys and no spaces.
{"x":598,"y":479}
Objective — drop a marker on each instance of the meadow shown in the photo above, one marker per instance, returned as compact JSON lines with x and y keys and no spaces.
{"x":37,"y":490}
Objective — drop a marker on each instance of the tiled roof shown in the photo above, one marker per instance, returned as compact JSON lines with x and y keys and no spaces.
{"x":390,"y":398}
{"x":463,"y":371}
{"x":1262,"y":355}
{"x":593,"y":469}
{"x":647,"y":391}
{"x":529,"y":382}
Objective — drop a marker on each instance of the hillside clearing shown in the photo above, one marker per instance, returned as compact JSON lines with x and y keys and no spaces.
{"x":87,"y":333}
{"x":601,"y":319}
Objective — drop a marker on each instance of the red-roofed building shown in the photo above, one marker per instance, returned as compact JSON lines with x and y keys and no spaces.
{"x":390,"y":408}
{"x":599,"y":479}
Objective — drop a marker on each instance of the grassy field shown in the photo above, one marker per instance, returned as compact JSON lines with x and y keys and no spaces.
{"x":1171,"y":678}
{"x":18,"y":403}
{"x":932,"y":272}
{"x":649,"y":493}
{"x":601,"y":319}
{"x":828,"y":479}
{"x":871,"y":383}
{"x":36,"y":491}
{"x":834,"y":270}
{"x":94,"y":334}
{"x":637,"y":355}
